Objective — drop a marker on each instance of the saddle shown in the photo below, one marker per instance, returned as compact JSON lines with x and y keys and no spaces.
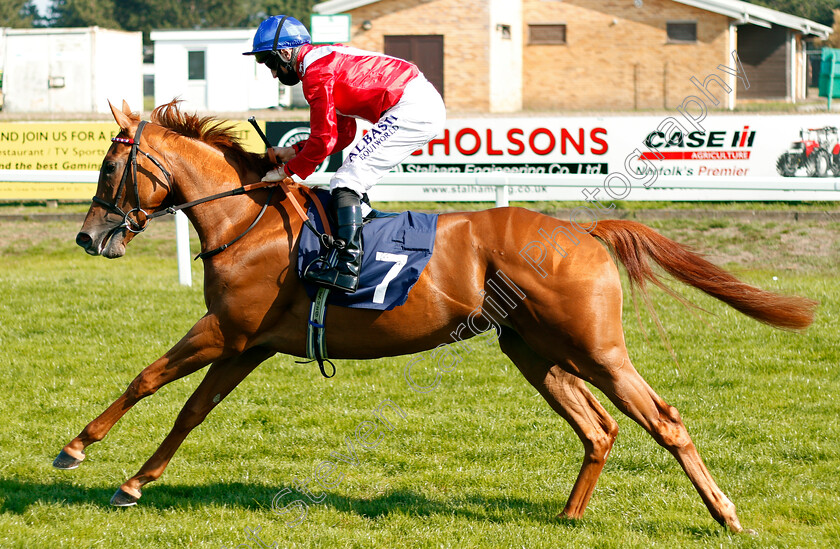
{"x":396,"y":249}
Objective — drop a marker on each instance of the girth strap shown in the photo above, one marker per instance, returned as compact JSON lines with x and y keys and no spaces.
{"x":316,"y":345}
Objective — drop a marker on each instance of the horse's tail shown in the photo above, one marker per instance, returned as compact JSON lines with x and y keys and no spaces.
{"x":633,"y":243}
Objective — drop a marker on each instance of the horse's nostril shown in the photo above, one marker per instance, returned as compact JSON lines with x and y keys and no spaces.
{"x":83,"y":240}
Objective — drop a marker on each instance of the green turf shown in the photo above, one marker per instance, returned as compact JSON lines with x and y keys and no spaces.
{"x":481,"y":461}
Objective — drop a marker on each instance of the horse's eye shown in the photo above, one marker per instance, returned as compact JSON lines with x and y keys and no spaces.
{"x":109,"y":167}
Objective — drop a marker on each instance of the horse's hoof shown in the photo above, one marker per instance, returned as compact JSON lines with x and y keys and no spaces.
{"x":567,"y":518}
{"x":123,"y":499}
{"x":66,"y":461}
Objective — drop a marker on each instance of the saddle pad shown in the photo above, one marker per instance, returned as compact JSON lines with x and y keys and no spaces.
{"x":396,"y":250}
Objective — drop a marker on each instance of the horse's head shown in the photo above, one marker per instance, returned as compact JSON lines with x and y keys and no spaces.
{"x":133,"y":183}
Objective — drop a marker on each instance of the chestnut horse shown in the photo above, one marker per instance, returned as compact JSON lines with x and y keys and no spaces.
{"x":567,"y":331}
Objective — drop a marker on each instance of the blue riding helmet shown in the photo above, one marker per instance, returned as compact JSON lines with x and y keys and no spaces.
{"x":279,"y":32}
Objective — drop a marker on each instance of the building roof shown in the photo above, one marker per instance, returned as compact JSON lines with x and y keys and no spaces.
{"x":742,"y":12}
{"x":338,"y":6}
{"x":61,"y":30}
{"x":746,"y":13}
{"x":200,"y":34}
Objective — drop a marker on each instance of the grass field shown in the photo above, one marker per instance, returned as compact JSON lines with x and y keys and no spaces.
{"x":481,"y":461}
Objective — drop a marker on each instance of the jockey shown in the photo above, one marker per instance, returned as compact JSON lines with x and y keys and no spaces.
{"x":342,"y":83}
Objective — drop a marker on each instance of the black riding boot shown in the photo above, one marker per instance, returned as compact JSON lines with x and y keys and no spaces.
{"x":345,"y":275}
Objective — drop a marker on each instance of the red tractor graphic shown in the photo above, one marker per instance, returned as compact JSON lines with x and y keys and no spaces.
{"x":818,"y":151}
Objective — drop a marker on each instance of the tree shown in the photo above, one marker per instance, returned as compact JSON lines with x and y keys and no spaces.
{"x":146,"y":15}
{"x":834,"y":38}
{"x":18,"y":13}
{"x":819,"y":11}
{"x":299,"y":9}
{"x":84,"y":13}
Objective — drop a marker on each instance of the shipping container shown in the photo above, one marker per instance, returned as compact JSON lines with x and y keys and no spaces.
{"x":71,"y":69}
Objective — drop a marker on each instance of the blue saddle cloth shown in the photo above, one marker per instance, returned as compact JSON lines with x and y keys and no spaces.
{"x":396,"y":250}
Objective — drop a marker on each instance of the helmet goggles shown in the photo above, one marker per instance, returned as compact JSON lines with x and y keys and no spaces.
{"x":268,"y":58}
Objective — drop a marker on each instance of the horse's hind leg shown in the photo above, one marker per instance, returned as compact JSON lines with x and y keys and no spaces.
{"x":614,"y":374}
{"x":569,"y":397}
{"x":198,"y":348}
{"x":221,"y":378}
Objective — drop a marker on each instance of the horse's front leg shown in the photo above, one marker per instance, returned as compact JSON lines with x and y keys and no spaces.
{"x":199,"y":347}
{"x":222,"y":377}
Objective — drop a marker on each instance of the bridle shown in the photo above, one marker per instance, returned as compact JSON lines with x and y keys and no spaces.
{"x":128,"y":223}
{"x":136,"y":228}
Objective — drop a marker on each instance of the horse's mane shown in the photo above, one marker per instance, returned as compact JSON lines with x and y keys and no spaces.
{"x":209,"y":130}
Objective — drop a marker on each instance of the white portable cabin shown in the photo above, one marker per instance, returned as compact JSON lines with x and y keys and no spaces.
{"x":71,"y":69}
{"x":206,"y":69}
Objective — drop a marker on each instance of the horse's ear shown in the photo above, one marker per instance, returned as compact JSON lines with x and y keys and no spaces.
{"x":126,"y":109}
{"x":123,"y":119}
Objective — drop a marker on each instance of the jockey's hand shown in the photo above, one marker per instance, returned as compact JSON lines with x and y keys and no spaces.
{"x":277,"y":174}
{"x":280,"y":155}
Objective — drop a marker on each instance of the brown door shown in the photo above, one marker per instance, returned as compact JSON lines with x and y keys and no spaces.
{"x":765,"y":57}
{"x":425,"y":51}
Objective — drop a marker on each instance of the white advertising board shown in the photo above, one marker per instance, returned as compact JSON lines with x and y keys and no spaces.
{"x":330,"y":29}
{"x":625,"y":151}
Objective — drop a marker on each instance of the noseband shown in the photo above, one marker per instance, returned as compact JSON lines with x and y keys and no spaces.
{"x":128,"y":223}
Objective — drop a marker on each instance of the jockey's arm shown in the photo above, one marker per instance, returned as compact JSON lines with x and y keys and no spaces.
{"x":281,"y":155}
{"x":323,"y":126}
{"x":346,"y":136}
{"x":346,"y":132}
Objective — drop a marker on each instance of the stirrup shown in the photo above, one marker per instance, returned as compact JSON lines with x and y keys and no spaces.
{"x":332,"y":279}
{"x":322,"y":271}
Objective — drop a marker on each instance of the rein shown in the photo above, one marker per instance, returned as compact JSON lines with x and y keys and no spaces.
{"x":136,"y":227}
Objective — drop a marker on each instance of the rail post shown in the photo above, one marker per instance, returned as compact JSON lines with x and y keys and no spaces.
{"x":501,"y":185}
{"x":182,"y":242}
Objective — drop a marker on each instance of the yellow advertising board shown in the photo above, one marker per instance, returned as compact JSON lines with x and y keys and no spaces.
{"x":55,"y":146}
{"x":61,"y":146}
{"x":14,"y":190}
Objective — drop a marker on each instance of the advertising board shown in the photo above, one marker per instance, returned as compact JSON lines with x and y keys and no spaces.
{"x":645,"y":150}
{"x":66,"y":146}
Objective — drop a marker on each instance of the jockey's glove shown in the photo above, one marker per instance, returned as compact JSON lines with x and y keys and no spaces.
{"x":276,"y":174}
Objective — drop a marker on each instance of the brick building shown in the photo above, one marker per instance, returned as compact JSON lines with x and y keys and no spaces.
{"x":512,"y":55}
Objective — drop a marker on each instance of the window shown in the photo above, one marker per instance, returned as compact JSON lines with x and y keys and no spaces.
{"x":682,"y":32}
{"x":195,"y":65}
{"x":546,"y":33}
